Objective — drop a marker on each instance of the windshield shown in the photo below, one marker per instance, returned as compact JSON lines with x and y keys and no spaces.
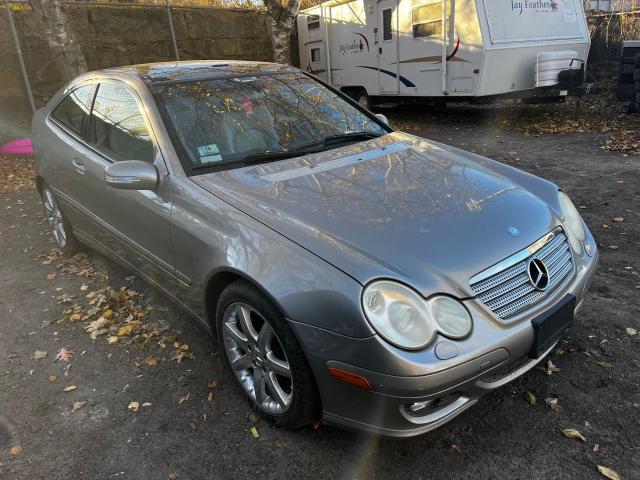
{"x":224,"y":121}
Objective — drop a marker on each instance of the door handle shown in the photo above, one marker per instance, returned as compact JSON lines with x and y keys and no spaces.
{"x":78,"y":165}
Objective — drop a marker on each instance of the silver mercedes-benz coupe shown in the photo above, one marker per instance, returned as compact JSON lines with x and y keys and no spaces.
{"x":376,"y":280}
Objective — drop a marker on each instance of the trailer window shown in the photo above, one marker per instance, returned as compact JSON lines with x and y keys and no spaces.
{"x":386,"y":25}
{"x":427,"y":19}
{"x":313,"y":22}
{"x":315,"y":55}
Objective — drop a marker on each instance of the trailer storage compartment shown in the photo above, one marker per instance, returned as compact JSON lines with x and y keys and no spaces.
{"x":550,"y":64}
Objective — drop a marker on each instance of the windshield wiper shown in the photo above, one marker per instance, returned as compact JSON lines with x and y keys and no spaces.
{"x":257,"y":158}
{"x":312,"y":147}
{"x":341,"y":138}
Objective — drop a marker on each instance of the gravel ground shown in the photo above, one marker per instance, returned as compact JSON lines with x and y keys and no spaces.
{"x":197,"y":426}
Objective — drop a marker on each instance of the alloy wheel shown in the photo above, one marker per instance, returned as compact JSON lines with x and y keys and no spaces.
{"x":54,"y":217}
{"x":257,"y":358}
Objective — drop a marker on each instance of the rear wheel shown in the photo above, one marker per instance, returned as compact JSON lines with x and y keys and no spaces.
{"x":362,"y":98}
{"x":60,"y":226}
{"x":265,"y":358}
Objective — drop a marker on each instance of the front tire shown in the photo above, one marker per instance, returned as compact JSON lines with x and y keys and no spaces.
{"x":60,"y":226}
{"x":263,"y":355}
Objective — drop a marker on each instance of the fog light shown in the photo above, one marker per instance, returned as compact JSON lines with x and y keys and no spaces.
{"x":426,"y":407}
{"x":417,"y":406}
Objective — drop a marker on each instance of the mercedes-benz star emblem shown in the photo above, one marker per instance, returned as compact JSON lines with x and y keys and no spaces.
{"x":538,"y":274}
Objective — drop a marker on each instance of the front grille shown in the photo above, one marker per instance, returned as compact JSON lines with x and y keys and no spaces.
{"x":506,"y":288}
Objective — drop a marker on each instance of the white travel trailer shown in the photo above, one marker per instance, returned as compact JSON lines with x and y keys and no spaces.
{"x":446,"y":50}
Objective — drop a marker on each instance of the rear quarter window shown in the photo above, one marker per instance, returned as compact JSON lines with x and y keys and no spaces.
{"x":73,"y":110}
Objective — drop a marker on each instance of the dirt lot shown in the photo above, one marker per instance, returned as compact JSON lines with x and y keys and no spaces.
{"x":196,"y":425}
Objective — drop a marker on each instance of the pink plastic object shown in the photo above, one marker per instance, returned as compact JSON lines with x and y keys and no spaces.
{"x":19,"y":146}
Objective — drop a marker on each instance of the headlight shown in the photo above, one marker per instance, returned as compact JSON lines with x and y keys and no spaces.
{"x":452,"y":318}
{"x":572,"y":221}
{"x":405,"y":319}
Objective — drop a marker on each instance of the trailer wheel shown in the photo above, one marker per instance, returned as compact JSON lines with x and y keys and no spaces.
{"x":362,"y":98}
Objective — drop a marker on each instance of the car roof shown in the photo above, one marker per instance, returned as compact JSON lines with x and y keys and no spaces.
{"x":163,"y":72}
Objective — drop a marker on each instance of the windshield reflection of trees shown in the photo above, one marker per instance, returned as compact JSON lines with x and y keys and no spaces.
{"x":258,"y":114}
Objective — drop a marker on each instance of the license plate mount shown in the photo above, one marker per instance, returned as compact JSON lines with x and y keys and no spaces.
{"x":549,"y":326}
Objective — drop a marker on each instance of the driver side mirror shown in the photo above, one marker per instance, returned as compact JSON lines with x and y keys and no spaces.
{"x":382,"y":118}
{"x":132,"y":175}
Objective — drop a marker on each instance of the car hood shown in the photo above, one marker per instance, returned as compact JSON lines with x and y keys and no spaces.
{"x":398,"y":207}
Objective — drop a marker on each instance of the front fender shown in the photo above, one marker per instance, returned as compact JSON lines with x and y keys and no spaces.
{"x":210,"y":237}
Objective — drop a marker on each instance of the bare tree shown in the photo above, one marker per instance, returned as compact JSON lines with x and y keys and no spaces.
{"x":282,"y":16}
{"x":61,"y":37}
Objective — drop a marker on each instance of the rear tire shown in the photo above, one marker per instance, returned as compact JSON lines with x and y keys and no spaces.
{"x":60,"y":227}
{"x":362,"y":98}
{"x":265,"y":358}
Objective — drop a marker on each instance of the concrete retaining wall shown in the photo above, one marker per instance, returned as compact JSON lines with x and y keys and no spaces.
{"x":112,"y":36}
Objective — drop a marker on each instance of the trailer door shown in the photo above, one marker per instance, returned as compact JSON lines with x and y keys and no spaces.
{"x":388,"y":46}
{"x":316,"y":59}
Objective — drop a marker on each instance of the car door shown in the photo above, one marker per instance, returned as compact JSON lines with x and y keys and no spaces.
{"x":133,"y":224}
{"x":68,"y":121}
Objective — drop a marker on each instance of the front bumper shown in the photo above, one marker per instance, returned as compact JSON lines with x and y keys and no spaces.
{"x":439,"y":389}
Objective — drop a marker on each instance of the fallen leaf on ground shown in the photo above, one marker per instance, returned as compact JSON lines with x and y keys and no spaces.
{"x":51,"y":276}
{"x":16,"y":450}
{"x":254,"y":432}
{"x":146,"y":404}
{"x":530,"y":397}
{"x":112,"y":339}
{"x":604,"y":364}
{"x":64,"y":354}
{"x":124,"y":330}
{"x":618,"y":219}
{"x":549,"y":368}
{"x":133,"y":406}
{"x":38,"y":354}
{"x":632,"y":331}
{"x":279,"y":444}
{"x":78,"y":405}
{"x":84,"y":287}
{"x":609,"y":473}
{"x":70,"y":388}
{"x":571,"y":433}
{"x":184,"y":399}
{"x":52,"y":378}
{"x":75,"y":317}
{"x":181,"y":352}
{"x":151,"y":361}
{"x":553,"y":403}
{"x":210,"y":396}
{"x":596,"y":448}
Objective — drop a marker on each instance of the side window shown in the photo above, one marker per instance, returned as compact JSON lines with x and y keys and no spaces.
{"x":74,"y":108}
{"x":427,"y":19}
{"x":117,"y":126}
{"x":315,"y":55}
{"x":313,"y":22}
{"x":386,"y":25}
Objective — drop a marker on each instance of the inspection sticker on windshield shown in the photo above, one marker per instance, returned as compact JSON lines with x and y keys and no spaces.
{"x":209,"y":153}
{"x":210,"y":149}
